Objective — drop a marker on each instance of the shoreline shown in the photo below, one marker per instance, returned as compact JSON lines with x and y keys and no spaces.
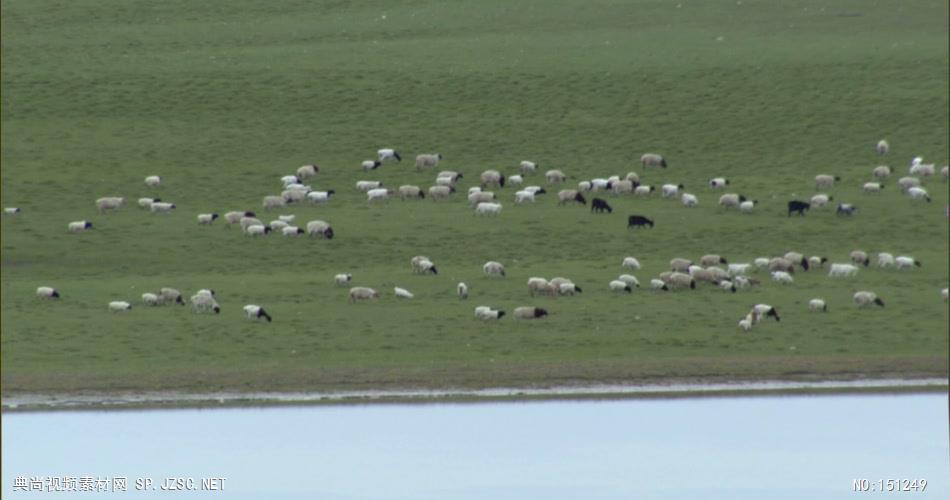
{"x":232,"y":399}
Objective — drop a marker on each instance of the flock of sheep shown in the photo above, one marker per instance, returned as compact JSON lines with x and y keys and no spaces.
{"x":683,"y":273}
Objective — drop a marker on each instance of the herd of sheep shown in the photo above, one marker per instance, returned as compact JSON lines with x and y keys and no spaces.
{"x":713,"y":270}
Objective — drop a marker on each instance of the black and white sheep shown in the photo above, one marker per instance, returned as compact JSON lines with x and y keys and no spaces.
{"x":306,"y":171}
{"x":428,"y":160}
{"x":493,"y":268}
{"x":846,"y":209}
{"x":408,"y":191}
{"x":492,"y":178}
{"x":256,"y":312}
{"x":319,"y":228}
{"x":864,"y":299}
{"x":153,"y":181}
{"x":78,"y":226}
{"x":569,"y":196}
{"x":388,"y":154}
{"x":206,"y":219}
{"x":119,"y":306}
{"x":653,"y":160}
{"x":362,"y":293}
{"x":529,"y":312}
{"x":823,"y":181}
{"x":47,"y":292}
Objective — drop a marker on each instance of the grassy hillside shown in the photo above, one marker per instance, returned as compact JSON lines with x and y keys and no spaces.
{"x":222,"y":98}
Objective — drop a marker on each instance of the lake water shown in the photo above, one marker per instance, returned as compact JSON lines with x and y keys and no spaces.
{"x":800,"y":447}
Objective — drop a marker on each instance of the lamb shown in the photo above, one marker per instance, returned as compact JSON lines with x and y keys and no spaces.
{"x":727,"y":286}
{"x":365,"y":186}
{"x":368,"y":165}
{"x":250,"y":221}
{"x":680,"y":265}
{"x":320,"y":229}
{"x":815,"y":305}
{"x":918,"y":193}
{"x":630,"y":263}
{"x":765,"y":311}
{"x":257,"y":230}
{"x":881,"y":172}
{"x":487,"y":208}
{"x":492,"y":178}
{"x":481,"y":197}
{"x":865,"y":299}
{"x":362,"y":293}
{"x":47,"y":292}
{"x":908,"y":182}
{"x":109,"y":203}
{"x":306,"y":171}
{"x":643,"y":190}
{"x":689,"y":200}
{"x":712,"y":260}
{"x":782,"y":277}
{"x":524,"y":197}
{"x":378,"y":194}
{"x":150,"y":299}
{"x":619,"y":286}
{"x":292,"y":231}
{"x":147,"y":202}
{"x":516,"y":180}
{"x":440,"y":192}
{"x":629,"y":279}
{"x":388,"y":154}
{"x":119,"y":306}
{"x":860,"y":257}
{"x":570,"y":195}
{"x":746,"y":323}
{"x":838,"y":270}
{"x":170,"y":296}
{"x":421,"y":265}
{"x":402,"y":293}
{"x":272,"y":202}
{"x":288,"y":180}
{"x":462,"y":290}
{"x":820,"y":200}
{"x":656,"y":284}
{"x":342,"y":279}
{"x":652,"y":160}
{"x":846,"y":209}
{"x":638,"y":221}
{"x":671,"y":190}
{"x":825,"y":181}
{"x":598,"y":205}
{"x":731,"y":200}
{"x":153,"y":181}
{"x":528,"y":312}
{"x":798,"y":206}
{"x":882,"y":147}
{"x":161,"y":207}
{"x":620,"y":188}
{"x":427,"y":160}
{"x":320,"y":197}
{"x":872,"y":187}
{"x":527,"y":167}
{"x":885,"y":259}
{"x":206,"y":219}
{"x":905,"y":262}
{"x":78,"y":226}
{"x":452,"y":175}
{"x":747,"y":206}
{"x":486,"y":313}
{"x":235,"y":217}
{"x":256,"y":312}
{"x":493,"y":268}
{"x":554,"y":176}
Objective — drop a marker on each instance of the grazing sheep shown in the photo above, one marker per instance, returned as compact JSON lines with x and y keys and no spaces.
{"x":427,"y":160}
{"x":860,"y":257}
{"x":839,"y":270}
{"x":554,"y":176}
{"x":638,"y":221}
{"x":421,"y":265}
{"x":287,"y":218}
{"x":320,"y":228}
{"x":516,"y":180}
{"x":272,"y":202}
{"x":731,"y":200}
{"x":702,"y":275}
{"x":781,"y":264}
{"x":865,"y":299}
{"x":378,"y":194}
{"x":368,"y":165}
{"x":492,"y":178}
{"x":570,"y":195}
{"x":161,"y":207}
{"x":204,"y":302}
{"x":630,"y":263}
{"x":680,"y":280}
{"x":712,"y":260}
{"x":12,"y":210}
{"x":598,"y":205}
{"x":409,"y":191}
{"x":796,"y":257}
{"x":235,"y":217}
{"x":905,"y":262}
{"x":746,"y":323}
{"x":481,"y":197}
{"x":923,"y":170}
{"x":747,"y":206}
{"x":782,"y":277}
{"x":206,"y":219}
{"x":299,"y":187}
{"x":250,"y":221}
{"x":945,"y":173}
{"x":150,"y":299}
{"x":402,"y":293}
{"x":320,"y":197}
{"x":599,"y":184}
{"x":153,"y":181}
{"x":846,"y":209}
{"x":881,"y":172}
{"x":365,"y":186}
{"x":488,"y":208}
{"x":652,"y":160}
{"x":342,"y":279}
{"x":452,"y":175}
{"x":815,"y":305}
{"x":657,"y":284}
{"x":798,"y":206}
{"x":292,"y":231}
{"x":257,"y":230}
{"x":289,"y":179}
{"x":147,"y":202}
{"x":739,"y":269}
{"x":825,"y":181}
{"x":820,"y":200}
{"x":486,"y":313}
{"x":47,"y":292}
{"x":388,"y":154}
{"x":872,"y":187}
{"x":524,"y":197}
{"x":671,"y":190}
{"x":630,"y":280}
{"x":109,"y":203}
{"x":362,"y":293}
{"x":761,"y":262}
{"x":529,"y":312}
{"x":440,"y":192}
{"x":256,"y":312}
{"x":78,"y":226}
{"x":643,"y":190}
{"x":718,"y":182}
{"x":619,"y":188}
{"x":119,"y":306}
{"x":567,"y":288}
{"x":882,"y":147}
{"x":170,"y":296}
{"x":885,"y":259}
{"x":680,"y":265}
{"x":294,"y":195}
{"x":689,"y":200}
{"x":762,"y":311}
{"x":727,"y":286}
{"x":918,"y":193}
{"x":817,"y":261}
{"x":493,"y":268}
{"x":462,"y":290}
{"x":527,"y":167}
{"x":619,"y":286}
{"x":306,"y":171}
{"x":908,"y":182}
{"x":541,"y":286}
{"x":535,"y":189}
{"x":445,"y":181}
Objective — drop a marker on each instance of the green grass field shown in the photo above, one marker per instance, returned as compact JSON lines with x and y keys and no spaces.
{"x":222,"y":98}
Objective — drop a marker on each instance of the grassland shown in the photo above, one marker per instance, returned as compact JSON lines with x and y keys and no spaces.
{"x":222,"y":98}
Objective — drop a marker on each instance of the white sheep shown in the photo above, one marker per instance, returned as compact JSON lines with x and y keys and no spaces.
{"x":11,"y":210}
{"x":541,"y":286}
{"x":527,"y":167}
{"x":306,"y":171}
{"x":452,"y":175}
{"x":569,"y":196}
{"x":689,"y":200}
{"x":815,"y":305}
{"x":908,"y":182}
{"x":554,"y":176}
{"x":680,"y":265}
{"x":487,"y":208}
{"x":292,"y":231}
{"x":882,"y":147}
{"x":78,"y":226}
{"x":320,"y":197}
{"x":440,"y":192}
{"x":817,"y":261}
{"x":712,"y":260}
{"x":486,"y":313}
{"x":277,"y":225}
{"x":642,"y":190}
{"x":171,"y":296}
{"x":256,"y":312}
{"x":287,"y":218}
{"x":885,"y":259}
{"x":409,"y":191}
{"x":289,"y":179}
{"x":652,"y":160}
{"x":368,"y":165}
{"x":945,"y":293}
{"x":630,"y":263}
{"x":427,"y":160}
{"x":718,"y":182}
{"x":47,"y":292}
{"x":250,"y":221}
{"x":421,"y":264}
{"x":761,"y":262}
{"x":820,"y":200}
{"x":629,"y":279}
{"x":529,"y":312}
{"x":480,"y":197}
{"x":147,"y":202}
{"x":462,"y":290}
{"x":623,"y":187}
{"x":657,"y":284}
{"x":599,"y":184}
{"x":823,"y":181}
{"x":534,"y":189}
{"x":343,"y":278}
{"x":109,"y":203}
{"x":738,"y":269}
{"x":272,"y":202}
{"x":860,"y":257}
{"x":203,"y":302}
{"x":730,"y":200}
{"x":619,"y":286}
{"x":872,"y":187}
{"x":119,"y":306}
{"x":362,"y":293}
{"x":235,"y":217}
{"x":153,"y":181}
{"x":923,"y":170}
{"x":524,"y":197}
{"x":838,"y":270}
{"x":918,"y":193}
{"x":865,"y":298}
{"x":206,"y":219}
{"x":671,"y":190}
{"x":161,"y":207}
{"x":881,"y":172}
{"x":516,"y":180}
{"x":906,"y":262}
{"x":762,"y":311}
{"x":945,"y":173}
{"x":492,"y":178}
{"x":746,"y":323}
{"x":378,"y":194}
{"x":299,"y":187}
{"x":365,"y":186}
{"x":584,"y":186}
{"x":568,"y":289}
{"x":388,"y":154}
{"x":493,"y":268}
{"x":150,"y":299}
{"x":257,"y":230}
{"x":320,"y":229}
{"x":402,"y":293}
{"x":782,"y":277}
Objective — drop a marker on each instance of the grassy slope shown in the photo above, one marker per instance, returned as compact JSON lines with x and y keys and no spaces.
{"x":221,"y":98}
